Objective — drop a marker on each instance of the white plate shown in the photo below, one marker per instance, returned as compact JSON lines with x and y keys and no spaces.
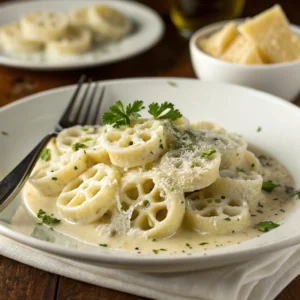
{"x":148,"y":31}
{"x":236,"y":108}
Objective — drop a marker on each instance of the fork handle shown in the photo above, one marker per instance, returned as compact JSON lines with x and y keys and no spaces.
{"x":11,"y":185}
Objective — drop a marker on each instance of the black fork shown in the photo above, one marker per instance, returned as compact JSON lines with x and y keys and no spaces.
{"x":83,"y":114}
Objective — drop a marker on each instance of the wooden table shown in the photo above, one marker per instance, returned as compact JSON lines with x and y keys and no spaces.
{"x":169,"y":58}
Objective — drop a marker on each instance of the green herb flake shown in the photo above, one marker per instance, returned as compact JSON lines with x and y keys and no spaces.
{"x":77,"y":146}
{"x":103,"y":245}
{"x":153,"y":240}
{"x":86,"y":140}
{"x":155,"y":251}
{"x":252,"y":165}
{"x":136,"y":248}
{"x":4,"y":133}
{"x":259,"y":129}
{"x":172,"y":83}
{"x":75,"y":168}
{"x":46,"y":219}
{"x":269,"y":186}
{"x":202,"y":244}
{"x":172,"y":189}
{"x":297,"y":193}
{"x":266,"y":226}
{"x":227,"y":219}
{"x":119,"y":116}
{"x":289,"y":190}
{"x":54,"y":178}
{"x":161,"y":146}
{"x":208,"y":154}
{"x":164,"y":111}
{"x":45,"y":154}
{"x":85,"y":129}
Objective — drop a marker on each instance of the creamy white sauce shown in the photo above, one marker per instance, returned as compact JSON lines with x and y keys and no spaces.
{"x":274,"y":206}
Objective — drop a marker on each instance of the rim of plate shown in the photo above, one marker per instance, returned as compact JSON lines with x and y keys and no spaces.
{"x":70,"y":65}
{"x":132,"y":259}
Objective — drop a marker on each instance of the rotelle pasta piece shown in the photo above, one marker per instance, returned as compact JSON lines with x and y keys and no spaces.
{"x":88,"y":197}
{"x":231,"y":146}
{"x":44,"y":26}
{"x":13,"y":42}
{"x":215,"y":213}
{"x":131,"y":146}
{"x":75,"y":41}
{"x":87,"y":138}
{"x":108,"y":21}
{"x":52,"y":177}
{"x":79,"y":17}
{"x":155,"y":211}
{"x":191,"y":169}
{"x":240,"y":185}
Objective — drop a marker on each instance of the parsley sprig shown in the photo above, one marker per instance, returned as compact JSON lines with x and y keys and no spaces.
{"x":266,"y":226}
{"x":47,"y":219}
{"x":208,"y":153}
{"x":164,"y":111}
{"x":119,"y":115}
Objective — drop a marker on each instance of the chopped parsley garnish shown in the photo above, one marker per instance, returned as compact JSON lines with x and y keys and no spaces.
{"x":202,"y":244}
{"x":4,"y":132}
{"x":47,"y":219}
{"x":259,"y":129}
{"x":154,"y":240}
{"x":266,"y":226}
{"x":164,"y":111}
{"x":208,"y":154}
{"x":172,"y":83}
{"x":119,"y":115}
{"x":289,"y":190}
{"x":269,"y":186}
{"x":227,"y":219}
{"x":161,"y":146}
{"x":172,"y":189}
{"x":54,"y":178}
{"x":136,"y":248}
{"x":85,"y":129}
{"x":75,"y":168}
{"x":86,"y":140}
{"x":252,"y":165}
{"x":297,"y":193}
{"x":77,"y":146}
{"x":103,"y":245}
{"x":45,"y":154}
{"x":155,"y":251}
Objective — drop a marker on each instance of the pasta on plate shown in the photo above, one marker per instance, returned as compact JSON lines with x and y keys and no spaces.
{"x":163,"y":179}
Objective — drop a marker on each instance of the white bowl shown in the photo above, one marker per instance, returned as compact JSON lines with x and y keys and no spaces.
{"x":241,"y":110}
{"x":281,"y":79}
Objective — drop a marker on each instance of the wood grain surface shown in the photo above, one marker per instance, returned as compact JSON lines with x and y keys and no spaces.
{"x":169,"y":58}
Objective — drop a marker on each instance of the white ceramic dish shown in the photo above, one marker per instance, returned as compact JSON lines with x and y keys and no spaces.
{"x":281,"y":80}
{"x":237,"y":108}
{"x":148,"y":31}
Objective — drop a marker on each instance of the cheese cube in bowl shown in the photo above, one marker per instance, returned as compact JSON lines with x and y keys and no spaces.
{"x":262,"y":53}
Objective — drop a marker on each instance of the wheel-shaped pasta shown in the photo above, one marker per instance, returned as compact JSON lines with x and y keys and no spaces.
{"x":191,"y":169}
{"x":131,"y":146}
{"x":75,"y":41}
{"x":182,"y":124}
{"x":79,"y":17}
{"x":52,"y":177}
{"x":13,"y":42}
{"x":216,"y":214}
{"x":109,"y":21}
{"x":231,"y":146}
{"x":44,"y":26}
{"x":239,"y":185}
{"x":88,"y":197}
{"x":87,"y":138}
{"x":205,"y":125}
{"x":249,"y":163}
{"x":155,"y":211}
{"x":49,"y":154}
